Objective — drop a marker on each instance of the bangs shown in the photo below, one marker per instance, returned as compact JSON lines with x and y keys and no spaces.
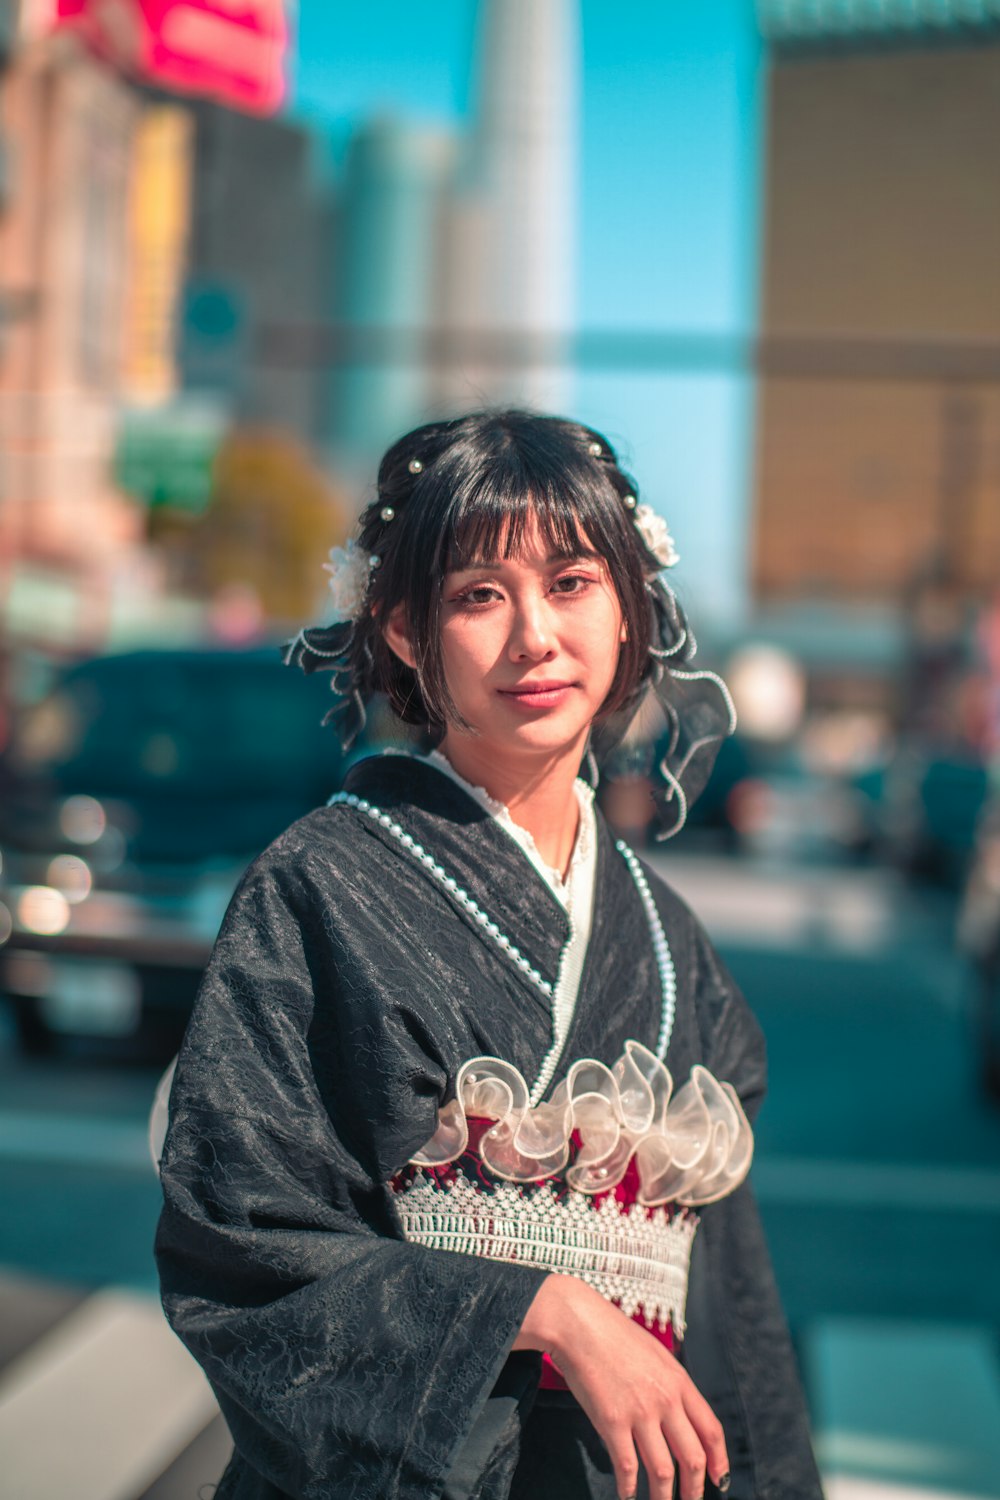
{"x":488,"y":520}
{"x":483,"y":536}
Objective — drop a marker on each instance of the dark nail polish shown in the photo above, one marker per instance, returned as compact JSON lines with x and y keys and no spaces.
{"x":722,"y":1483}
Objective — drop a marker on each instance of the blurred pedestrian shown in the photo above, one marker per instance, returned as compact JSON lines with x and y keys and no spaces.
{"x":437,"y":1217}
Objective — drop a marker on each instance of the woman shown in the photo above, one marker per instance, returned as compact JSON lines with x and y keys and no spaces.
{"x":436,"y":1211}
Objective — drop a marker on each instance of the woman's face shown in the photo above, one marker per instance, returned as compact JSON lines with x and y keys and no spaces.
{"x":530,"y":647}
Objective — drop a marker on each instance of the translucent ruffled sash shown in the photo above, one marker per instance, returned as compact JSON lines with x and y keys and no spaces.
{"x":690,"y":1148}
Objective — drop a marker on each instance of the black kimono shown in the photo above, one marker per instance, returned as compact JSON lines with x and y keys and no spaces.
{"x":347,"y":988}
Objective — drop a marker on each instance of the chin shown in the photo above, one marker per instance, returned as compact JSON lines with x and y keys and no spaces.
{"x":548,"y":738}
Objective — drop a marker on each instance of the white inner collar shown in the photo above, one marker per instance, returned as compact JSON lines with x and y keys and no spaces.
{"x":576,"y":892}
{"x":575,"y":895}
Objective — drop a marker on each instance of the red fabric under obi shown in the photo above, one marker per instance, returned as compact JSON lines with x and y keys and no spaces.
{"x":626,"y":1193}
{"x":470,"y":1167}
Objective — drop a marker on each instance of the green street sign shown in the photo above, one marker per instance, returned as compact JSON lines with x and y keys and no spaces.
{"x":164,"y":455}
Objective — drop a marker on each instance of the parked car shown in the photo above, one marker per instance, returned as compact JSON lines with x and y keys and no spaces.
{"x":134,"y":794}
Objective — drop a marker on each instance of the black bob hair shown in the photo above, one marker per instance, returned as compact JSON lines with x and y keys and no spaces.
{"x":454,"y":492}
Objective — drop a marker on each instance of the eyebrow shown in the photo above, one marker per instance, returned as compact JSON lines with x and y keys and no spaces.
{"x":582,"y":555}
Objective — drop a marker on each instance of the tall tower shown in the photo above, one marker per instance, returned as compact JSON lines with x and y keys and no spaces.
{"x":508,"y":282}
{"x":388,"y":238}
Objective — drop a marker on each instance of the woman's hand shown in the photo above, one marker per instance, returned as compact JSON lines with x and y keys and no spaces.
{"x":639,"y":1397}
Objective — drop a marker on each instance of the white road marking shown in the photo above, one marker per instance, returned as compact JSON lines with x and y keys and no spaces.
{"x":761,"y":904}
{"x":844,"y":1487}
{"x":852,"y":912}
{"x":100,"y":1405}
{"x":911,"y":1406}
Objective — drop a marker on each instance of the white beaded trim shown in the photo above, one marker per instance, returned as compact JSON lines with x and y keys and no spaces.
{"x":450,"y":884}
{"x":661,"y":948}
{"x":561,"y":1023}
{"x":563,"y":1010}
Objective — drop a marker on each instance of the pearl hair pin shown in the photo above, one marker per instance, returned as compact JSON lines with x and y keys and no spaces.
{"x":350,"y":568}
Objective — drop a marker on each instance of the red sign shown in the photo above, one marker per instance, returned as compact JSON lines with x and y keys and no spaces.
{"x":230,"y":50}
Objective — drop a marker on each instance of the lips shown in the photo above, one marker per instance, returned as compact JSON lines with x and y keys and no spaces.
{"x":537,"y":697}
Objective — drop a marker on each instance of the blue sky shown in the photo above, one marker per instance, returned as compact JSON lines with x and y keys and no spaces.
{"x":669,"y":186}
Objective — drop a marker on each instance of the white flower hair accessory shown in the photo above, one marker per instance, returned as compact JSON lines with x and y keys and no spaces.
{"x":349,"y":569}
{"x":655,"y":533}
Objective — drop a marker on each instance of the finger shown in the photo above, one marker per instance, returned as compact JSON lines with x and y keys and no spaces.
{"x":689,"y":1461}
{"x":621,"y":1451}
{"x":689,"y":1456}
{"x":656,"y":1460}
{"x":710,"y":1434}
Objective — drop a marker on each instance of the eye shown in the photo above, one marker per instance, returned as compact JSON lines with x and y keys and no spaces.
{"x":477,"y":594}
{"x":572,"y":583}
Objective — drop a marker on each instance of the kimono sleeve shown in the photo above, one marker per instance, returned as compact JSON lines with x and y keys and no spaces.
{"x":738,"y":1348}
{"x":345,"y":1360}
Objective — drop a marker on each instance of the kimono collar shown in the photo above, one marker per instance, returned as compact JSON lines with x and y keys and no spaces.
{"x":473,"y":846}
{"x":579,"y":879}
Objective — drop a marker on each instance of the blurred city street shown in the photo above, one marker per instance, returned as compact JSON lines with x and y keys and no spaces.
{"x":884,"y":1221}
{"x":246,"y":244}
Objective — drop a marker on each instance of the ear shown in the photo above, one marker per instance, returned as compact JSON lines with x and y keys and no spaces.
{"x":397,"y":636}
{"x":623,"y":632}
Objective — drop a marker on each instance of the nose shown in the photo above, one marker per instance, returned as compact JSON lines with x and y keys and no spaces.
{"x":532,"y":636}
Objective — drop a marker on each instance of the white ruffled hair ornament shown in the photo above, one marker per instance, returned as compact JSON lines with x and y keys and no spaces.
{"x":654,"y":532}
{"x":349,"y":568}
